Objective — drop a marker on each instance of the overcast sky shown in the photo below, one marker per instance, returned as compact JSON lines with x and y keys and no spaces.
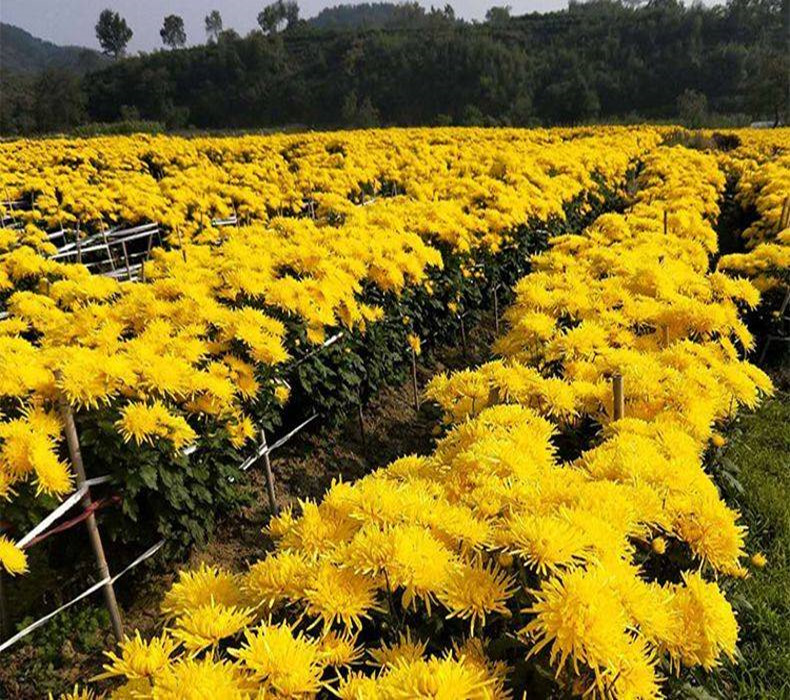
{"x":72,"y":21}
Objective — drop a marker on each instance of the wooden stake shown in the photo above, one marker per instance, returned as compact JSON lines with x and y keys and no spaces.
{"x":269,"y":476}
{"x":414,"y":381}
{"x":665,"y":336}
{"x":93,"y":529}
{"x":666,"y":223}
{"x":619,"y":397}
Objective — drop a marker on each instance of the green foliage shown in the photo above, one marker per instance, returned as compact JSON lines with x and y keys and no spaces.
{"x":57,"y":648}
{"x":123,"y":127}
{"x":165,"y":493}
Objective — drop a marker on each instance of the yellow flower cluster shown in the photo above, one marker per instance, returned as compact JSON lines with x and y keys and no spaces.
{"x":492,"y":517}
{"x":763,"y":167}
{"x":632,"y":295}
{"x":325,"y":216}
{"x":460,"y":185}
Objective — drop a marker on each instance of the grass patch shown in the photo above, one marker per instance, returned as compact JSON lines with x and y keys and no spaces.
{"x":759,"y":454}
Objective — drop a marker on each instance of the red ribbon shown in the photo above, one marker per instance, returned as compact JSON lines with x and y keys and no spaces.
{"x":76,"y":520}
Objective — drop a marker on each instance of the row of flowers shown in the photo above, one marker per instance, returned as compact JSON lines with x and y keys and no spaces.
{"x":348,"y":230}
{"x":763,"y":169}
{"x":438,"y":576}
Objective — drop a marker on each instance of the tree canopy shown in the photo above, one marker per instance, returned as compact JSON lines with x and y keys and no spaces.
{"x":172,"y":32}
{"x":113,"y":33}
{"x":213,"y":23}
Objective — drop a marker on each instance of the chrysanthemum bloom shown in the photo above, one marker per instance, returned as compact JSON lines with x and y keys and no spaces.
{"x":759,"y":560}
{"x":278,"y":578}
{"x":202,"y":586}
{"x":191,"y":679}
{"x":405,"y":650}
{"x":287,"y":662}
{"x":138,"y":658}
{"x":474,"y":590}
{"x":336,"y":594}
{"x":12,"y":558}
{"x":77,"y":693}
{"x":204,"y":626}
{"x":436,"y":678}
{"x":340,"y":650}
{"x":581,"y":617}
{"x":705,"y":624}
{"x":718,"y":440}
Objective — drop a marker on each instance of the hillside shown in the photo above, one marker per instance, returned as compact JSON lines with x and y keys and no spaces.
{"x":22,"y":53}
{"x":598,"y":60}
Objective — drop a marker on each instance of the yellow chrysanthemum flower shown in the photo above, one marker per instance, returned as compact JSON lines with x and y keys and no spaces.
{"x":12,"y":558}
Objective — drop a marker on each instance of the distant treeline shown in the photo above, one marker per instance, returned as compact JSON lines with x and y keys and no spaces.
{"x":597,"y":60}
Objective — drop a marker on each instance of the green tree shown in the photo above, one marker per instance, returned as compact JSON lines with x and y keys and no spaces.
{"x":213,"y":25}
{"x":273,"y":16}
{"x":692,"y":108}
{"x":769,"y":94}
{"x":113,"y":33}
{"x":172,"y":32}
{"x":360,"y":114}
{"x":571,"y":99}
{"x":498,"y":15}
{"x":59,"y":102}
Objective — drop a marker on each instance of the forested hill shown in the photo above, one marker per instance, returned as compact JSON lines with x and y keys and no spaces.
{"x":21,"y":52}
{"x":403,"y":65}
{"x":365,"y":15}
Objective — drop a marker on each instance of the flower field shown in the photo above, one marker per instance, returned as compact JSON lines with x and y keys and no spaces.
{"x":560,"y":537}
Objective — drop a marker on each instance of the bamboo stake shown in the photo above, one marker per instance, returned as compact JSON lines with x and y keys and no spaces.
{"x":269,"y":476}
{"x":619,"y":397}
{"x":126,"y":258}
{"x":414,"y":380}
{"x":73,"y":442}
{"x":361,"y":420}
{"x":496,"y":309}
{"x":5,"y":626}
{"x":181,"y":244}
{"x":10,"y":207}
{"x":107,"y":247}
{"x":79,"y":245}
{"x":784,"y":219}
{"x":463,"y":335}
